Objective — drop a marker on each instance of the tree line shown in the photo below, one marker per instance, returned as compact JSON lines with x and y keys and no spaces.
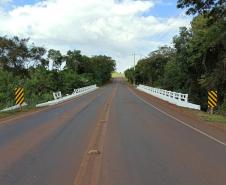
{"x":40,"y":71}
{"x":196,"y":63}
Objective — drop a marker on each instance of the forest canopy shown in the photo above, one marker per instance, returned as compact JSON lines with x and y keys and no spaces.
{"x":42,"y":71}
{"x":196,"y":62}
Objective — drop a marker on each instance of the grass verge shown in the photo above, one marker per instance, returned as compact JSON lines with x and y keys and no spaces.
{"x":117,"y":75}
{"x":215,"y":118}
{"x":15,"y":112}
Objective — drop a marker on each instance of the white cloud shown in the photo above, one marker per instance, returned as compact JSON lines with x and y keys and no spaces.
{"x":4,"y":2}
{"x":93,"y":26}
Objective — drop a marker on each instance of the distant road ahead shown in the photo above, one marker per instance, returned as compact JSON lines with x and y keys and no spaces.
{"x":107,"y":137}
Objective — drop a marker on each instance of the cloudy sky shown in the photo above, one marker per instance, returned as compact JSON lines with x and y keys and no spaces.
{"x":112,"y":27}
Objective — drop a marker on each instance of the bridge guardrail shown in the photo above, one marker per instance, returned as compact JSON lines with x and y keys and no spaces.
{"x":57,"y":95}
{"x":13,"y":107}
{"x":176,"y":98}
{"x":77,"y":92}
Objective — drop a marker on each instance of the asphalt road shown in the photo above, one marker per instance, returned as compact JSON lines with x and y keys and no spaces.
{"x":107,"y":137}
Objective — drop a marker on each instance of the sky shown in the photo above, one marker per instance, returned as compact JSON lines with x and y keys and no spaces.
{"x":116,"y":28}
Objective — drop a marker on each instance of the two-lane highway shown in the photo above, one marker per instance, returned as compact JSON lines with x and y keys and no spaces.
{"x":107,"y":137}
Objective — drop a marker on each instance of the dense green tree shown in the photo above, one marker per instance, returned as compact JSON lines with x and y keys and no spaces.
{"x":151,"y":69}
{"x":174,"y":77}
{"x":56,"y":57}
{"x":16,"y":56}
{"x":195,"y":64}
{"x":214,"y":9}
{"x":77,"y":62}
{"x":70,"y":81}
{"x":129,"y":74}
{"x":8,"y":83}
{"x":198,"y":62}
{"x":101,"y":67}
{"x":25,"y":65}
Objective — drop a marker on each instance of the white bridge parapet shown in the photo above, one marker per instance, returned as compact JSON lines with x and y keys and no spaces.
{"x":176,"y":98}
{"x":13,"y":107}
{"x":85,"y":89}
{"x":57,"y":95}
{"x":77,"y":92}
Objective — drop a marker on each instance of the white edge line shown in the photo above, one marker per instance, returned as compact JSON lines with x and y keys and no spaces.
{"x":182,"y":122}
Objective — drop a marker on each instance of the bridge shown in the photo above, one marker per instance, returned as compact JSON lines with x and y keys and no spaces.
{"x":115,"y":135}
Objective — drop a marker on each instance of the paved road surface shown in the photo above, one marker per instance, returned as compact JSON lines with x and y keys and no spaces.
{"x":107,"y":137}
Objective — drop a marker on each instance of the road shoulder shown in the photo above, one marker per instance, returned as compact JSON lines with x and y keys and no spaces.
{"x":190,"y":117}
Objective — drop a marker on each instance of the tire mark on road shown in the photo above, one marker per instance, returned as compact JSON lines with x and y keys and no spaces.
{"x":90,"y":167}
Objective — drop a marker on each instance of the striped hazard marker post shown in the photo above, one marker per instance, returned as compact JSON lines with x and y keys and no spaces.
{"x":19,"y":96}
{"x":212,"y":100}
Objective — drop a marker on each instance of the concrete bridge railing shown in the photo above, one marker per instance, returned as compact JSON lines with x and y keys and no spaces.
{"x":84,"y":89}
{"x":176,"y":98}
{"x":77,"y":92}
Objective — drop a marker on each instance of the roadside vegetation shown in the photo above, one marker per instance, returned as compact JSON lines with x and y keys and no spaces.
{"x":42,"y":72}
{"x":196,"y":62}
{"x":16,"y":112}
{"x":216,"y":118}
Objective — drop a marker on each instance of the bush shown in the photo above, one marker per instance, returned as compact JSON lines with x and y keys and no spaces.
{"x":223,"y":108}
